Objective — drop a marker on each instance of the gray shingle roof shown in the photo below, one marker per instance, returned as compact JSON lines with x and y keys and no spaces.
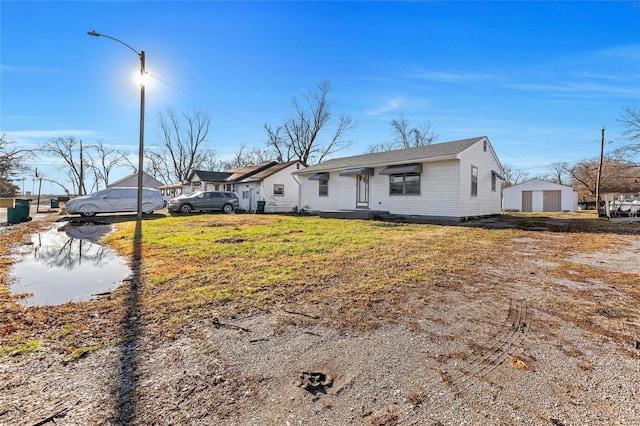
{"x":208,"y":176}
{"x":398,"y":156}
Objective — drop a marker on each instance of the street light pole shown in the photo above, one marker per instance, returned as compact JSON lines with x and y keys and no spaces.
{"x":141,"y":55}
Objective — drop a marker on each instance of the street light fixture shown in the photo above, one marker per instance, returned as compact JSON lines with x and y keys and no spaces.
{"x":141,"y":146}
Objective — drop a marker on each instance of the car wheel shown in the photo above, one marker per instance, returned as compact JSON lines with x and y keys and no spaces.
{"x":89,"y":211}
{"x":227,"y":208}
{"x":145,"y":209}
{"x":186,"y":208}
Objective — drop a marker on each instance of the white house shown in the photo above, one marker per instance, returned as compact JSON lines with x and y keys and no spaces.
{"x":275,"y":186}
{"x":537,"y":195}
{"x":451,"y":181}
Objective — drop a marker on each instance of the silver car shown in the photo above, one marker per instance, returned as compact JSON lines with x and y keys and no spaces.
{"x":224,"y":201}
{"x":115,"y":200}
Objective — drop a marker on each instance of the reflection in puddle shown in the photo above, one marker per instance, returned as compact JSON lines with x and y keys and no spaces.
{"x":67,"y":264}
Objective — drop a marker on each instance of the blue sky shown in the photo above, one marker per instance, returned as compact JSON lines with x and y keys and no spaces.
{"x":540,"y":79}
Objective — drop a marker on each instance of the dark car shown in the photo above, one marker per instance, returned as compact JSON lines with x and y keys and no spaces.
{"x":224,"y":201}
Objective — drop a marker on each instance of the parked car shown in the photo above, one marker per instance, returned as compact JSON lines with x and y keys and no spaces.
{"x":116,"y":200}
{"x":224,"y":201}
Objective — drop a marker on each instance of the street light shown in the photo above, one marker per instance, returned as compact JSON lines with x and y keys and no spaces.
{"x":141,"y":146}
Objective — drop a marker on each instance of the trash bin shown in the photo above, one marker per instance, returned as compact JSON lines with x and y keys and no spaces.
{"x":20,"y":213}
{"x":55,"y":203}
{"x":260,"y":207}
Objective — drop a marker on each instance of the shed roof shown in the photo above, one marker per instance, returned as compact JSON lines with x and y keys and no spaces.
{"x":147,"y":181}
{"x":537,"y":184}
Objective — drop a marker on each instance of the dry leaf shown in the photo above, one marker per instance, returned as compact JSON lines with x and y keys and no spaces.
{"x":518,"y":363}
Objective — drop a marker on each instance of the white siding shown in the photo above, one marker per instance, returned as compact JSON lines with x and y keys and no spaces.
{"x":438,"y":192}
{"x":252,"y":190}
{"x":280,"y":204}
{"x":487,"y":202}
{"x":342,"y":193}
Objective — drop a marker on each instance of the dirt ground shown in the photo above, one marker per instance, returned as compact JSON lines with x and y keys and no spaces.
{"x":526,"y":346}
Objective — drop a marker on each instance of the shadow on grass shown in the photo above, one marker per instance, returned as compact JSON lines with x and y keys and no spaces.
{"x":560,"y":223}
{"x":127,"y":398}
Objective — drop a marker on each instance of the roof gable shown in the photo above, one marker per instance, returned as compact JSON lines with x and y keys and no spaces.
{"x":244,"y":172}
{"x":398,"y":156}
{"x":269,"y":171}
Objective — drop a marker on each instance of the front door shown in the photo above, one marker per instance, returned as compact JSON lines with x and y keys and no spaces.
{"x":362,"y":191}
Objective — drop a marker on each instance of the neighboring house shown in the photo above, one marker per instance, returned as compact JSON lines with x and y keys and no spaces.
{"x":275,"y":186}
{"x":201,"y":180}
{"x":451,"y":181}
{"x":148,"y":181}
{"x":174,"y":189}
{"x":537,"y":195}
{"x":268,"y":181}
{"x":223,"y":181}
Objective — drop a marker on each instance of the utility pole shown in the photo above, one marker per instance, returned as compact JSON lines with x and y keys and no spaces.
{"x":599,"y":174}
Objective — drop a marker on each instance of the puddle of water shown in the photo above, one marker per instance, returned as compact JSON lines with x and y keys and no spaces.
{"x":66,"y":264}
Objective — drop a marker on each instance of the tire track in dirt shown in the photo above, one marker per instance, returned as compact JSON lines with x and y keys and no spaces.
{"x":512,"y":331}
{"x":516,"y":324}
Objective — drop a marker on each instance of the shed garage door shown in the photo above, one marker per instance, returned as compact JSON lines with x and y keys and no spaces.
{"x":527,"y":201}
{"x":551,"y":201}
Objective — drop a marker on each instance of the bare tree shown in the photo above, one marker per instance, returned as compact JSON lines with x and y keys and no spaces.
{"x":102,"y":159}
{"x":405,"y":136}
{"x":69,"y":150}
{"x":183,"y":145}
{"x":313,"y":133}
{"x":243,"y":157}
{"x":11,"y":165}
{"x":617,"y":176}
{"x":630,"y":119}
{"x":558,"y":172}
{"x":513,"y":176}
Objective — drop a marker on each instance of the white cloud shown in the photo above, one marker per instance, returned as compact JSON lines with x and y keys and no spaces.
{"x":449,"y":77}
{"x":30,"y":70}
{"x":388,"y":105}
{"x":580,"y":89}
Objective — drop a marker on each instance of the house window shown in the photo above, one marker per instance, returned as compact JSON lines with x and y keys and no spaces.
{"x":278,"y":190}
{"x":245,"y":195}
{"x":485,"y":146}
{"x":493,"y":182}
{"x":404,"y":184}
{"x":323,"y":187}
{"x":474,"y":181}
